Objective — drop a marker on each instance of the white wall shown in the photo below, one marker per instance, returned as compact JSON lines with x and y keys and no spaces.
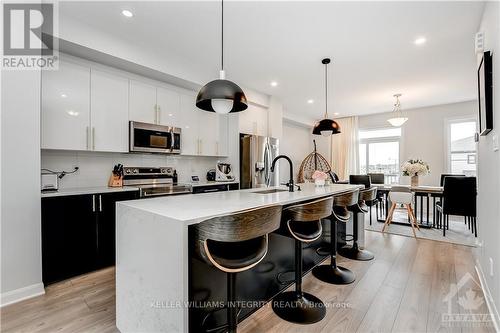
{"x":489,"y":166}
{"x":21,"y":270}
{"x":424,"y":135}
{"x":297,"y":143}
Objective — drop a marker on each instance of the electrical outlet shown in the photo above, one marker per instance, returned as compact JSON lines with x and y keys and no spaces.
{"x":491,"y":267}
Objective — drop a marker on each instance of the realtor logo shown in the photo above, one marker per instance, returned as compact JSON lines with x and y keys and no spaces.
{"x":471,"y":313}
{"x":28,"y":36}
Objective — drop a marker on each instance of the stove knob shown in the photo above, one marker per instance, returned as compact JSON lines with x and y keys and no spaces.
{"x":163,"y":170}
{"x":128,"y":171}
{"x":136,"y":171}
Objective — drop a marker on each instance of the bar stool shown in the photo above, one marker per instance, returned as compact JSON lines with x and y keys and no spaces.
{"x":353,"y":251}
{"x":235,"y":243}
{"x":304,"y":225}
{"x":332,"y":273}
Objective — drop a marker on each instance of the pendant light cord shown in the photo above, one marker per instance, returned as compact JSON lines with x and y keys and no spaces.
{"x":222,"y":34}
{"x":326,"y":91}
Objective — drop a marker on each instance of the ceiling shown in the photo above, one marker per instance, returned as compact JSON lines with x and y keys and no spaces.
{"x":371,"y":45}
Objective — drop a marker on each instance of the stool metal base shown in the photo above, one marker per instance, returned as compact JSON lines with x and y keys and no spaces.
{"x":300,"y":308}
{"x":333,"y":275}
{"x":355,"y":253}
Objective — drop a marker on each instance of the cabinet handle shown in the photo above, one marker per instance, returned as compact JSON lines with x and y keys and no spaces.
{"x":100,"y":203}
{"x":158,"y":114}
{"x":87,"y":137}
{"x":217,"y":148}
{"x":201,"y":147}
{"x":93,"y":138}
{"x":93,"y":203}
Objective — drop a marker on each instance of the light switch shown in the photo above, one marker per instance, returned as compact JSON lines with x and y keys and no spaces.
{"x":495,"y":142}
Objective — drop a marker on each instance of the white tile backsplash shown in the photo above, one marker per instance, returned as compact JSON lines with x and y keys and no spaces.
{"x":95,"y":167}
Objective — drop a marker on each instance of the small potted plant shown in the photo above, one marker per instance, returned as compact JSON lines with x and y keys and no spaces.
{"x":413,"y":169}
{"x":319,"y":178}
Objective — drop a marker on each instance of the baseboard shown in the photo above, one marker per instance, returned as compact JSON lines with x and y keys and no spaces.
{"x":487,"y":295}
{"x":21,"y":294}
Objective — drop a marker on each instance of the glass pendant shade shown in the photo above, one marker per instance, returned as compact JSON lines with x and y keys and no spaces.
{"x":398,"y":121}
{"x":326,"y":127}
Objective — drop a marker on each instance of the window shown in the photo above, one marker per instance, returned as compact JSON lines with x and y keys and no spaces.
{"x":379,"y":152}
{"x":461,"y":147}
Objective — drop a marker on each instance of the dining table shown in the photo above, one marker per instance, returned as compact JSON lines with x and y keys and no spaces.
{"x":422,"y":195}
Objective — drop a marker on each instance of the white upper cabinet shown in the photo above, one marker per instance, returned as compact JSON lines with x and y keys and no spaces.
{"x":168,"y":104}
{"x":254,"y":120}
{"x":109,"y":111}
{"x":65,"y":112}
{"x":142,"y":102}
{"x":88,"y":107}
{"x":190,"y":143}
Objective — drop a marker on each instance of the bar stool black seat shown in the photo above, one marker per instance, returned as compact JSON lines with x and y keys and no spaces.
{"x":235,"y":243}
{"x":332,"y":273}
{"x":304,"y":225}
{"x":353,"y":251}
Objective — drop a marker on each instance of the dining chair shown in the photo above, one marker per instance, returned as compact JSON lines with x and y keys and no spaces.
{"x":401,"y":195}
{"x":459,"y":199}
{"x":378,"y":178}
{"x":444,"y":175}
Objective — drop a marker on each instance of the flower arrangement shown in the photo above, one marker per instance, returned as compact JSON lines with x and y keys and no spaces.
{"x":319,"y":175}
{"x":319,"y":178}
{"x":415,"y":168}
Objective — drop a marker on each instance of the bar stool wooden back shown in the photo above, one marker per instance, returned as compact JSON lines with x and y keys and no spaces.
{"x":332,"y":273}
{"x":304,"y":225}
{"x":353,"y":251}
{"x":235,"y":243}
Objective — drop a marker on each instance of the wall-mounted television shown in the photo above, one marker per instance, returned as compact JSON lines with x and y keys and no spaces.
{"x":485,"y":93}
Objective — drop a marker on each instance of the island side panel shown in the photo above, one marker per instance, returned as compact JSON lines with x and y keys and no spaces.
{"x":151,"y":272}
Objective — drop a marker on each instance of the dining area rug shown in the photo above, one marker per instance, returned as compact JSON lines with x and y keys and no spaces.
{"x":457,"y":234}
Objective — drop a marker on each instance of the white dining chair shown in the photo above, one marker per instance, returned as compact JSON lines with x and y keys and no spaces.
{"x":400,"y":195}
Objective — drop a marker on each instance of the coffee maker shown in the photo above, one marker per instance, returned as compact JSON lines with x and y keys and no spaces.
{"x":223,"y":172}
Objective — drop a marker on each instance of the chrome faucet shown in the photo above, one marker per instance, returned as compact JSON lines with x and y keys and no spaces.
{"x":290,"y":184}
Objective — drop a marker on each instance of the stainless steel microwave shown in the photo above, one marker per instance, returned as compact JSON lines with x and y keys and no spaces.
{"x":151,"y":138}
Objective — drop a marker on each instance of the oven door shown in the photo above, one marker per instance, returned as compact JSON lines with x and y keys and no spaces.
{"x":152,"y":138}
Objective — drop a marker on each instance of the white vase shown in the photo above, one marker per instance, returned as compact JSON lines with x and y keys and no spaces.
{"x":319,"y":182}
{"x":414,"y":181}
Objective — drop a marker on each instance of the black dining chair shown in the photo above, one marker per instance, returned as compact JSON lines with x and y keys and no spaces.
{"x":444,"y":175}
{"x":439,"y":196}
{"x":378,"y":178}
{"x":459,"y":198}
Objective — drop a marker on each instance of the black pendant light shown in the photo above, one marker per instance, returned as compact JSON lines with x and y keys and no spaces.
{"x":326,"y":127}
{"x":221,"y":96}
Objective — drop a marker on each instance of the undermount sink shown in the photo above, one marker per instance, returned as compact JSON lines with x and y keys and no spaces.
{"x":273,"y":190}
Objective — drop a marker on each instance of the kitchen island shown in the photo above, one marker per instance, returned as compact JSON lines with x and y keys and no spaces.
{"x":153,"y":272}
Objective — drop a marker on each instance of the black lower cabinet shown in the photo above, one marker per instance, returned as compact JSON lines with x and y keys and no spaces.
{"x":78,"y":234}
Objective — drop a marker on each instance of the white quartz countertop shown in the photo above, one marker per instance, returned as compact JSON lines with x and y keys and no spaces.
{"x":87,"y":190}
{"x":194,"y":208}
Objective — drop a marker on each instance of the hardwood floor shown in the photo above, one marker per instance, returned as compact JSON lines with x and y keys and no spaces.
{"x":402,"y":290}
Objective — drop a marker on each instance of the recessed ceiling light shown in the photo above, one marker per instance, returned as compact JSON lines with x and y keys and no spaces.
{"x":310,"y":101}
{"x":274,"y":83}
{"x":420,"y":41}
{"x":336,"y":113}
{"x":127,"y":13}
{"x":170,"y":115}
{"x":73,"y":113}
{"x":64,"y":95}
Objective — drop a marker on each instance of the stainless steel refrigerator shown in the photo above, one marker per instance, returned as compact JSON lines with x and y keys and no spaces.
{"x":256,"y":156}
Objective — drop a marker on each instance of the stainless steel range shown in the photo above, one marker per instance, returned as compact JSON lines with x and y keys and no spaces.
{"x":154,"y":181}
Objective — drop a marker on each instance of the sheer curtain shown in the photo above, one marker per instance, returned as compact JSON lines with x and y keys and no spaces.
{"x":345,"y":148}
